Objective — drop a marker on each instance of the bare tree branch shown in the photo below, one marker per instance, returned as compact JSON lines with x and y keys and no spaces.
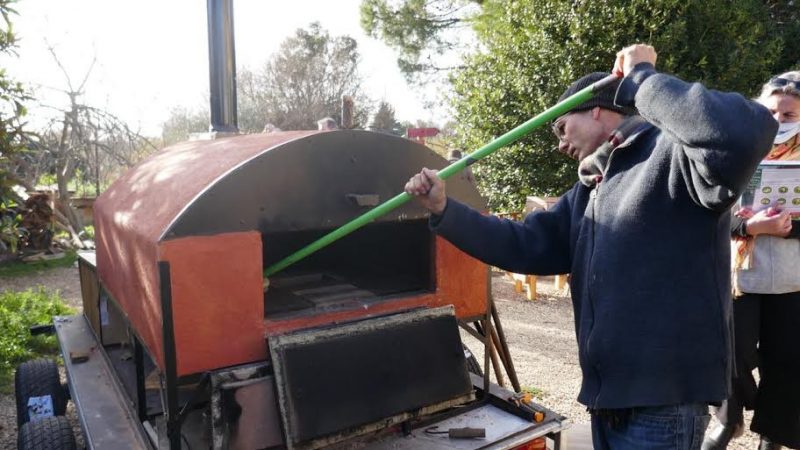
{"x":80,"y":141}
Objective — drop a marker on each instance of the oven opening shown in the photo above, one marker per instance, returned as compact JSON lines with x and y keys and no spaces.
{"x":381,"y":260}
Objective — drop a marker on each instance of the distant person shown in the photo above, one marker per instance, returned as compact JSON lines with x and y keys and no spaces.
{"x":645,"y":236}
{"x":455,"y":155}
{"x":766,"y":304}
{"x":327,"y":124}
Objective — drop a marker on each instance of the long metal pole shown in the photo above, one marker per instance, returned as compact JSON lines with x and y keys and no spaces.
{"x":526,"y":128}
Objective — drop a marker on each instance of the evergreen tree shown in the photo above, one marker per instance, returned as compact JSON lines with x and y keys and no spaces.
{"x":530,"y":50}
{"x":302,"y":83}
{"x":12,"y":109}
{"x":385,"y":121}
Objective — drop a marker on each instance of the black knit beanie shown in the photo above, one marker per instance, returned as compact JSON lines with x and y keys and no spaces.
{"x":603,"y":99}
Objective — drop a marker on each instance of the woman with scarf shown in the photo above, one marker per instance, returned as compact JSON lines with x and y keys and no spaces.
{"x":766,"y":264}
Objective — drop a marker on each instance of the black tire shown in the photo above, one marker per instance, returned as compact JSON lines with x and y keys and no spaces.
{"x":472,"y":363}
{"x":47,"y":433}
{"x":38,"y":378}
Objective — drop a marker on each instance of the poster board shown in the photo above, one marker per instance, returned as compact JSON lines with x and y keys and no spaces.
{"x":774,"y":183}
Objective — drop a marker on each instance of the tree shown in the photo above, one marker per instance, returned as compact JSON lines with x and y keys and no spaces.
{"x":13,"y":136}
{"x":302,"y":83}
{"x":385,"y":121}
{"x":13,"y":95}
{"x":532,"y":50}
{"x":424,"y":32}
{"x":785,"y":17}
{"x":80,"y":141}
{"x":182,"y":122}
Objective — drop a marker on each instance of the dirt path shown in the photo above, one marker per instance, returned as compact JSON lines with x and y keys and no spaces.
{"x":540,"y":335}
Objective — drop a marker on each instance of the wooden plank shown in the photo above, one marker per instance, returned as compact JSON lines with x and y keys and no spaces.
{"x":561,"y":281}
{"x":526,"y":283}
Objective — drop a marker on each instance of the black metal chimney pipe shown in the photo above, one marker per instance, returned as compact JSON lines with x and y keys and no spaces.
{"x":222,"y":67}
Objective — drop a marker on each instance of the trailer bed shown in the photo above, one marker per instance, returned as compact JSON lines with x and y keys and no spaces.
{"x":503,"y":431}
{"x":107,"y":420}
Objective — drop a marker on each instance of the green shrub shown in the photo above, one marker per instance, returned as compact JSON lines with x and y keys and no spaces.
{"x":529,"y":52}
{"x":89,"y":231}
{"x":18,"y":312}
{"x":534,"y":391}
{"x":10,"y":231}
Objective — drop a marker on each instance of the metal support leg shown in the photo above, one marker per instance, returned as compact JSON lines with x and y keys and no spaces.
{"x":141,"y":391}
{"x":170,"y":363}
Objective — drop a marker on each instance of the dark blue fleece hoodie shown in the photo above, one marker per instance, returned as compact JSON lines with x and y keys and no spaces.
{"x":648,"y":248}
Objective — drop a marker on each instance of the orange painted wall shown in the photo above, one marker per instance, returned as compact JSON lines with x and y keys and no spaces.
{"x":218,"y":307}
{"x":217,"y":300}
{"x":461,"y":280}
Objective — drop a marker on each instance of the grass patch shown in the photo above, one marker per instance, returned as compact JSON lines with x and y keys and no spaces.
{"x":19,"y":268}
{"x":18,"y":312}
{"x":535,"y":392}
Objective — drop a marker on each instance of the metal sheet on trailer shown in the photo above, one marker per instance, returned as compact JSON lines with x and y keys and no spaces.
{"x":503,"y":431}
{"x":107,"y":422}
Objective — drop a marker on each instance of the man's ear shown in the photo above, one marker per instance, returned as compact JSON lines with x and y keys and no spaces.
{"x":596,"y":112}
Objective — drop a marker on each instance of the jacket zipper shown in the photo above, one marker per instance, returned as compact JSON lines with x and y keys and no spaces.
{"x":589,"y":357}
{"x":627,"y":143}
{"x":592,"y":275}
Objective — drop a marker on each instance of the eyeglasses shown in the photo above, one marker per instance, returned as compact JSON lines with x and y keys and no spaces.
{"x":558,"y":127}
{"x":781,"y":82}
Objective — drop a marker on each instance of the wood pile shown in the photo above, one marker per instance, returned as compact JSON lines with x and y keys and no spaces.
{"x":38,"y":223}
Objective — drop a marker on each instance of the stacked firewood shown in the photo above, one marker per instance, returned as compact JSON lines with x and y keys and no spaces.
{"x":38,"y":223}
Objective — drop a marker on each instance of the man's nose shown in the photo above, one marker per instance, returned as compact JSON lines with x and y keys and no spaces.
{"x":563,"y":146}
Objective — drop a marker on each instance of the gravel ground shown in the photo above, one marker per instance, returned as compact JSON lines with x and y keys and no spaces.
{"x":540,"y":336}
{"x":541,"y":339}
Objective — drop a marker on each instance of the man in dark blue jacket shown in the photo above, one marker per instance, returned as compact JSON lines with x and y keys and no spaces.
{"x":645,"y":236}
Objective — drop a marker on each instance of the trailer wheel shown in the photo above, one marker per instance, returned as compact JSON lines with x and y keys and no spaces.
{"x":472,"y":363}
{"x":38,"y":379}
{"x":47,"y":433}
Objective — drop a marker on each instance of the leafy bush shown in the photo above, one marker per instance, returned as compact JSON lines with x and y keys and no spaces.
{"x":531,"y":50}
{"x":13,"y":128}
{"x":534,"y":391}
{"x":18,"y":312}
{"x":89,"y":231}
{"x":10,"y":230}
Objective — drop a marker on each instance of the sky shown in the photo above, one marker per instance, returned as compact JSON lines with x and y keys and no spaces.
{"x":152,"y":55}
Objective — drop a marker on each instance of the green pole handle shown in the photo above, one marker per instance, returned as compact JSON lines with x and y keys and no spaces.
{"x":526,"y":128}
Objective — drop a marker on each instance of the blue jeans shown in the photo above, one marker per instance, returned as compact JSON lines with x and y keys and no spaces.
{"x":674,"y":427}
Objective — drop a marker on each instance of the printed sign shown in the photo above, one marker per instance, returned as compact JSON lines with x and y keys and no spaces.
{"x":777,"y":184}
